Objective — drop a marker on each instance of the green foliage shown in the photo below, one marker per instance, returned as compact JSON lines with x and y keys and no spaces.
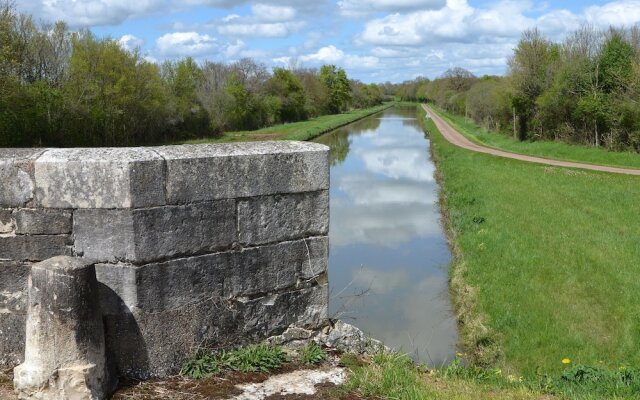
{"x":539,"y":258}
{"x":585,"y":90}
{"x":63,"y":88}
{"x":204,"y":365}
{"x":389,"y":376}
{"x":312,"y":353}
{"x":287,"y":88}
{"x":338,"y":87}
{"x":256,"y":358}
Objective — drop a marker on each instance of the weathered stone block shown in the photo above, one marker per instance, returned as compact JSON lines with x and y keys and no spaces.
{"x":221,"y":171}
{"x":271,"y":315}
{"x":13,"y":287}
{"x":12,"y":337}
{"x":16,"y":176}
{"x":13,"y":311}
{"x":99,"y":178}
{"x":271,"y":268}
{"x":34,"y":248}
{"x":283,"y":217}
{"x":7,"y":221}
{"x":145,"y":235}
{"x":34,"y":221}
{"x":184,"y":282}
{"x":149,"y":344}
{"x":65,"y":347}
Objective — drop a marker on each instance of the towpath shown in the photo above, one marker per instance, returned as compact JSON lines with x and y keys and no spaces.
{"x":456,"y":138}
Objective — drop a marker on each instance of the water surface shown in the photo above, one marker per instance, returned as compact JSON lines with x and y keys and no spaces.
{"x":389,"y":256}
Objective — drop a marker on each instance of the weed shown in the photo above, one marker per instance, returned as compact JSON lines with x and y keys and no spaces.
{"x":202,"y":365}
{"x":312,"y":353}
{"x":257,"y":358}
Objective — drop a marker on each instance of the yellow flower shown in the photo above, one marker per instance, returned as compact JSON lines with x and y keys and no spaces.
{"x":459,"y":355}
{"x":566,"y":361}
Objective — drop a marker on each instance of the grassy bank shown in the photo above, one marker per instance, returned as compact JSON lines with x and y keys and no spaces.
{"x":546,"y":149}
{"x":304,"y":130}
{"x":547,"y":260}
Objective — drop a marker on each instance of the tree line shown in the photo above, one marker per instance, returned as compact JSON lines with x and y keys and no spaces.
{"x":585,"y":89}
{"x":64,"y":88}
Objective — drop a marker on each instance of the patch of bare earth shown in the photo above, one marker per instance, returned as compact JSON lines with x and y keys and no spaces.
{"x":6,"y":385}
{"x":227,"y":386}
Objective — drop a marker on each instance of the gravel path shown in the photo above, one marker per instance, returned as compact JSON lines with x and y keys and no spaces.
{"x":456,"y":138}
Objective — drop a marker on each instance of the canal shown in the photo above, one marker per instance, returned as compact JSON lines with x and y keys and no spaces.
{"x":389,"y":255}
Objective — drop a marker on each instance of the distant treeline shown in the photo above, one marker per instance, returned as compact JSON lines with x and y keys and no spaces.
{"x":584,"y":90}
{"x":63,"y":88}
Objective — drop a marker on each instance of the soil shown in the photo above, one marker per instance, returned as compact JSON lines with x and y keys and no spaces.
{"x":222,"y":387}
{"x":6,"y":385}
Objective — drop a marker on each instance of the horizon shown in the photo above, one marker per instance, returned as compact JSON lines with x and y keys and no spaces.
{"x":374,"y":41}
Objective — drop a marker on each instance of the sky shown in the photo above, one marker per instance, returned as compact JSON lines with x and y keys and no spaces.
{"x":373,"y":40}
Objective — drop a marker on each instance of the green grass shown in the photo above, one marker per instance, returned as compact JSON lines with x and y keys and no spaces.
{"x":546,"y":149}
{"x":255,"y":358}
{"x":547,"y":260}
{"x":394,"y":376}
{"x":312,"y":353}
{"x":304,"y":130}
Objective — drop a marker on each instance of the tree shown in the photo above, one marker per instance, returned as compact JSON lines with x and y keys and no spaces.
{"x":337,"y":84}
{"x":288,"y":90}
{"x":531,"y":71}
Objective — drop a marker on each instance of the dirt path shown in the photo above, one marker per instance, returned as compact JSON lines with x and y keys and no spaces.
{"x":456,"y":138}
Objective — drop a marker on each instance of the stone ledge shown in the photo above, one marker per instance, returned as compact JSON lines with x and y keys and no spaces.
{"x":144,"y":177}
{"x":99,"y":178}
{"x":218,"y":171}
{"x":16,"y":176}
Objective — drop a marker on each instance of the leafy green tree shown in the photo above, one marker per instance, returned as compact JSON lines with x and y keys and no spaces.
{"x":532,"y":69}
{"x":288,"y":90}
{"x":190,"y":117}
{"x":114,"y":97}
{"x":337,"y":84}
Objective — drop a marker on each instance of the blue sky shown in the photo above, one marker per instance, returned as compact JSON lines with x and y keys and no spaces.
{"x":374,"y":40}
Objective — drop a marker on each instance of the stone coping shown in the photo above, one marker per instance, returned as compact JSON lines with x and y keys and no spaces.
{"x":79,"y":178}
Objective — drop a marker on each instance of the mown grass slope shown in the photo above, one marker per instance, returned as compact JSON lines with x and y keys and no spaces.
{"x":550,"y":257}
{"x":303,"y":130}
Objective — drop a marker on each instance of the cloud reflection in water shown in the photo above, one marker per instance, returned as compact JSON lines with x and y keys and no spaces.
{"x":386,"y":238}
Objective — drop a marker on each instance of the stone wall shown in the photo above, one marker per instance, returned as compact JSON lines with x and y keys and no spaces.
{"x":196,"y":245}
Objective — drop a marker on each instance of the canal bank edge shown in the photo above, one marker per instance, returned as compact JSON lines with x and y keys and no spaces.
{"x":479,"y":343}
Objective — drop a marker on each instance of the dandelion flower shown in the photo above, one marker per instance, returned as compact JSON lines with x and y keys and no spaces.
{"x":566,"y":361}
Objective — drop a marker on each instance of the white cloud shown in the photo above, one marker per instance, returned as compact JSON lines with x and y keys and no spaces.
{"x":328,"y":54}
{"x":332,"y":55}
{"x":186,"y":44}
{"x":616,"y":13}
{"x":130,"y":42}
{"x":266,"y":20}
{"x":271,"y":30}
{"x":267,"y":12}
{"x":363,"y":8}
{"x":233,"y":49}
{"x":459,"y":22}
{"x":90,"y":12}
